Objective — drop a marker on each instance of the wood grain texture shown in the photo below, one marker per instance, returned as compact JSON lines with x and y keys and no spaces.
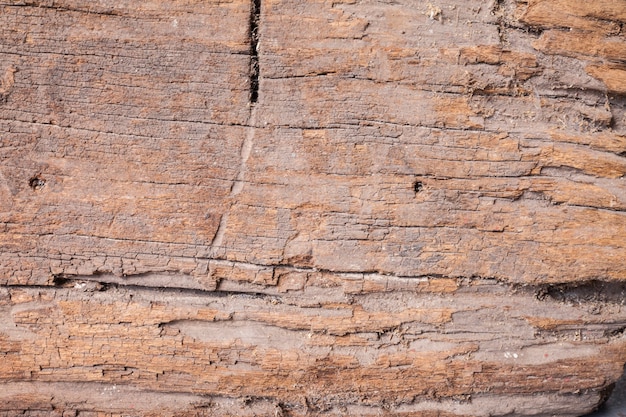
{"x":311,"y":208}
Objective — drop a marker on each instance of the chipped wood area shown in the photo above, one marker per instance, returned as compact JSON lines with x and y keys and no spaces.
{"x":270,"y":207}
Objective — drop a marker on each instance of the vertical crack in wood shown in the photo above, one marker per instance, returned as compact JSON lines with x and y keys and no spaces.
{"x":238,"y":183}
{"x":246,"y":147}
{"x":219,"y":233}
{"x":255,"y":16}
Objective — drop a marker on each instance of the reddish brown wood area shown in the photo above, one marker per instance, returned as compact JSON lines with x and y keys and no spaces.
{"x":326,"y":207}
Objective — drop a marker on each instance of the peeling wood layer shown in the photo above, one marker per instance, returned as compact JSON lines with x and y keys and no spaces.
{"x":417,"y":347}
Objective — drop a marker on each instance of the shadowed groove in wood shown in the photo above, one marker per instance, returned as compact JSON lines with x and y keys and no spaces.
{"x":254,"y":29}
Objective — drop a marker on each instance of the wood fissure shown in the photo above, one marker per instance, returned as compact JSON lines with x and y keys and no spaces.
{"x":254,"y":33}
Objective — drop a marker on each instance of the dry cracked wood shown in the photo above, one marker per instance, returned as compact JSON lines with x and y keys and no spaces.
{"x":271,"y":207}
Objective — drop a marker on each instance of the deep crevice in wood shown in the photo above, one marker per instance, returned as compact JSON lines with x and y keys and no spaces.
{"x":255,"y":17}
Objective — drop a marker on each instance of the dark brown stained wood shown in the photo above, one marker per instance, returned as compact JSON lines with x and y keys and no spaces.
{"x":285,"y":208}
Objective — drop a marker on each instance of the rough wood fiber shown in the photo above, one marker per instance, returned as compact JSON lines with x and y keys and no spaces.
{"x":311,"y":208}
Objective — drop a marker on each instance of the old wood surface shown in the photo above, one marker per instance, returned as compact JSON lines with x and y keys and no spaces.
{"x":278,"y":207}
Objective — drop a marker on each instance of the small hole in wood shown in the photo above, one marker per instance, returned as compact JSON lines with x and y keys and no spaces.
{"x":36,"y":182}
{"x":418,"y":186}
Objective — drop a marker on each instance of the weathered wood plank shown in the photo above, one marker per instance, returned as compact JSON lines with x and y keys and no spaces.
{"x":311,"y":208}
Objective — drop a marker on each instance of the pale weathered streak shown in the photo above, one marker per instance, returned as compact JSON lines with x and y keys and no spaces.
{"x":346,"y":207}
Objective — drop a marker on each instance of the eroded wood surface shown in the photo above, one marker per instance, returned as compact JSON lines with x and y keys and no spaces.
{"x":312,"y":208}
